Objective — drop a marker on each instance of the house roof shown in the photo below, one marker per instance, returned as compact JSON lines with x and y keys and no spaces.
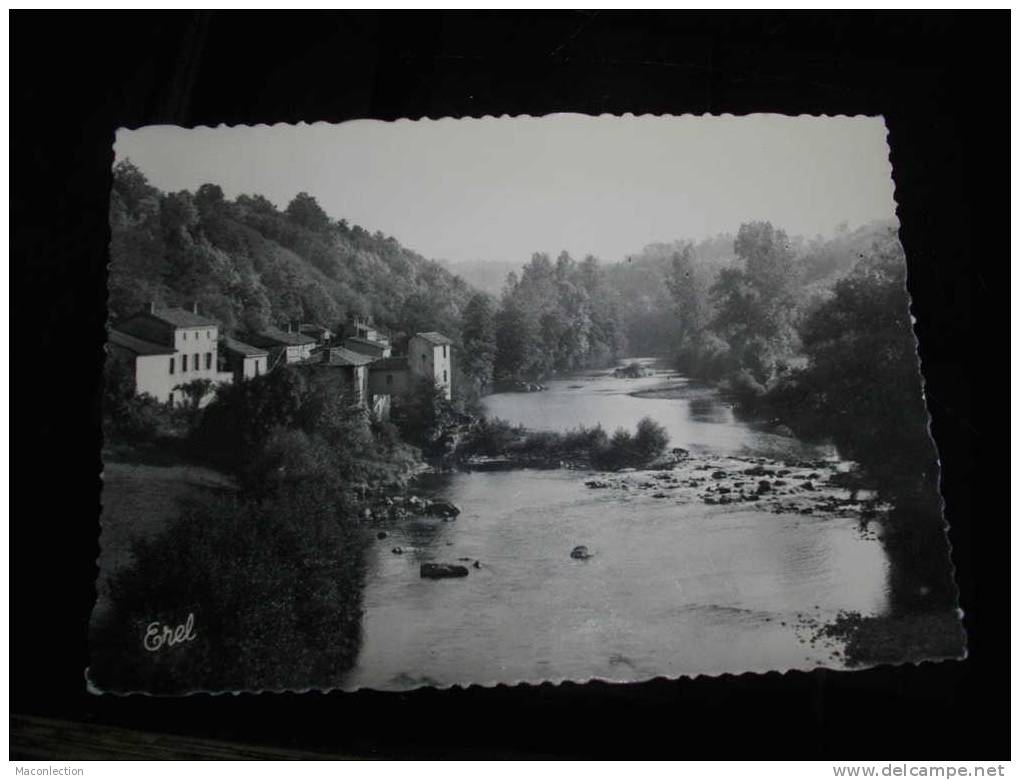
{"x":339,"y":356}
{"x":310,"y":327}
{"x":182,"y":318}
{"x":435,"y":338}
{"x":368,"y":342}
{"x":390,"y":364}
{"x":275,"y":337}
{"x":137,"y":345}
{"x":240,"y":348}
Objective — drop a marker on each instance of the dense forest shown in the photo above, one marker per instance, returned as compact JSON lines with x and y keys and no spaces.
{"x":249,"y":264}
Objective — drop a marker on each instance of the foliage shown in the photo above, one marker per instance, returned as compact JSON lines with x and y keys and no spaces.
{"x":498,"y":438}
{"x":479,"y":340}
{"x":250,"y":265}
{"x":425,"y":417}
{"x":128,"y":417}
{"x":650,"y":440}
{"x":275,"y":591}
{"x":194,"y":393}
{"x":555,"y":317}
{"x":860,"y":384}
{"x":237,"y":424}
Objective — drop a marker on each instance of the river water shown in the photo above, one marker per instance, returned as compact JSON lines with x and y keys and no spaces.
{"x":682,"y":580}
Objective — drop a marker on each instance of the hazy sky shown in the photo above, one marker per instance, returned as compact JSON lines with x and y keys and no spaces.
{"x":501,"y":189}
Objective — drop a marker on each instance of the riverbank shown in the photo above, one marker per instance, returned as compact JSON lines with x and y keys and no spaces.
{"x":895,"y":639}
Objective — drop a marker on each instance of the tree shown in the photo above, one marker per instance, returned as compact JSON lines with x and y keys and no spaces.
{"x":305,"y":211}
{"x":755,"y":304}
{"x":425,"y":417}
{"x":688,"y":296}
{"x":194,"y":393}
{"x":860,"y":385}
{"x":479,"y":340}
{"x":650,"y":440}
{"x":516,"y":343}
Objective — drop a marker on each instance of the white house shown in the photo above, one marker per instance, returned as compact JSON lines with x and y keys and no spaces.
{"x":167,"y":348}
{"x":244,"y":360}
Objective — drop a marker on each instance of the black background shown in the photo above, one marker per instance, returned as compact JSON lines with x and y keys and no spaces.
{"x":942,"y":82}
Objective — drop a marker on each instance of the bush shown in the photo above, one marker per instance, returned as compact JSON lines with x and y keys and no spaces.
{"x":650,"y":440}
{"x":585,"y":439}
{"x":275,"y":592}
{"x":140,"y":419}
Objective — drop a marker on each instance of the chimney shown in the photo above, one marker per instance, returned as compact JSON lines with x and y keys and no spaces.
{"x":194,"y":307}
{"x":152,"y":307}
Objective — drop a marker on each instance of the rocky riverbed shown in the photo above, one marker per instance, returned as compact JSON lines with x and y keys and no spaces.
{"x":817,"y":488}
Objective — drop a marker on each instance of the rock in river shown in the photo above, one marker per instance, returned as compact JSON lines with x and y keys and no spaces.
{"x":438,"y":571}
{"x":580,"y":553}
{"x":442,"y":509}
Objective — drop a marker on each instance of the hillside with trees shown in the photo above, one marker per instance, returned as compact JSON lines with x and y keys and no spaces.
{"x":250,"y":264}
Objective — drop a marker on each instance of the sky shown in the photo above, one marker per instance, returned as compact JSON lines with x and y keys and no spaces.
{"x":503,"y":188}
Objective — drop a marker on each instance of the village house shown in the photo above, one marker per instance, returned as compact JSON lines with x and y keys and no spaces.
{"x":346,"y":371}
{"x":428,"y":357}
{"x":375,"y":349}
{"x":243,"y":360}
{"x":167,"y":348}
{"x":283,"y":346}
{"x":321,"y":334}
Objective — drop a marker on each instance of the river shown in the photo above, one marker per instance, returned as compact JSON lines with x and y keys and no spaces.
{"x":682,"y":580}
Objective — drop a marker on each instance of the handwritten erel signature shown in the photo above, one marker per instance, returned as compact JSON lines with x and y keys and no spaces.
{"x":159,"y":635}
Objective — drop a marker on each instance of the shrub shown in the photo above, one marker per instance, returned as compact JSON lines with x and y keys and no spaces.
{"x":650,"y":440}
{"x":275,"y":591}
{"x":491,"y":436}
{"x":139,"y":419}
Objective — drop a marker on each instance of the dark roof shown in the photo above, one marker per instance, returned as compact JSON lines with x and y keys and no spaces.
{"x":438,"y":339}
{"x":240,"y":348}
{"x":368,"y":342}
{"x":137,"y":345}
{"x":307,"y":327}
{"x":182,"y":318}
{"x":338,"y":356}
{"x":390,"y":364}
{"x":275,"y":337}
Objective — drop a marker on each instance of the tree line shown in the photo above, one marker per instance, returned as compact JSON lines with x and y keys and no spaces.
{"x":250,"y":264}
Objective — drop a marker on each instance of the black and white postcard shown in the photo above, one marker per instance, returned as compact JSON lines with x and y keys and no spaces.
{"x":498,"y":400}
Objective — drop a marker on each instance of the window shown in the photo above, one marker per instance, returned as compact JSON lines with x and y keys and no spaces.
{"x":171,"y":365}
{"x":184,"y":363}
{"x":208,"y":360}
{"x":208,"y":334}
{"x":444,"y":350}
{"x":258,"y":366}
{"x":389,"y":379}
{"x":195,"y":362}
{"x":444,"y":376}
{"x":422,"y":357}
